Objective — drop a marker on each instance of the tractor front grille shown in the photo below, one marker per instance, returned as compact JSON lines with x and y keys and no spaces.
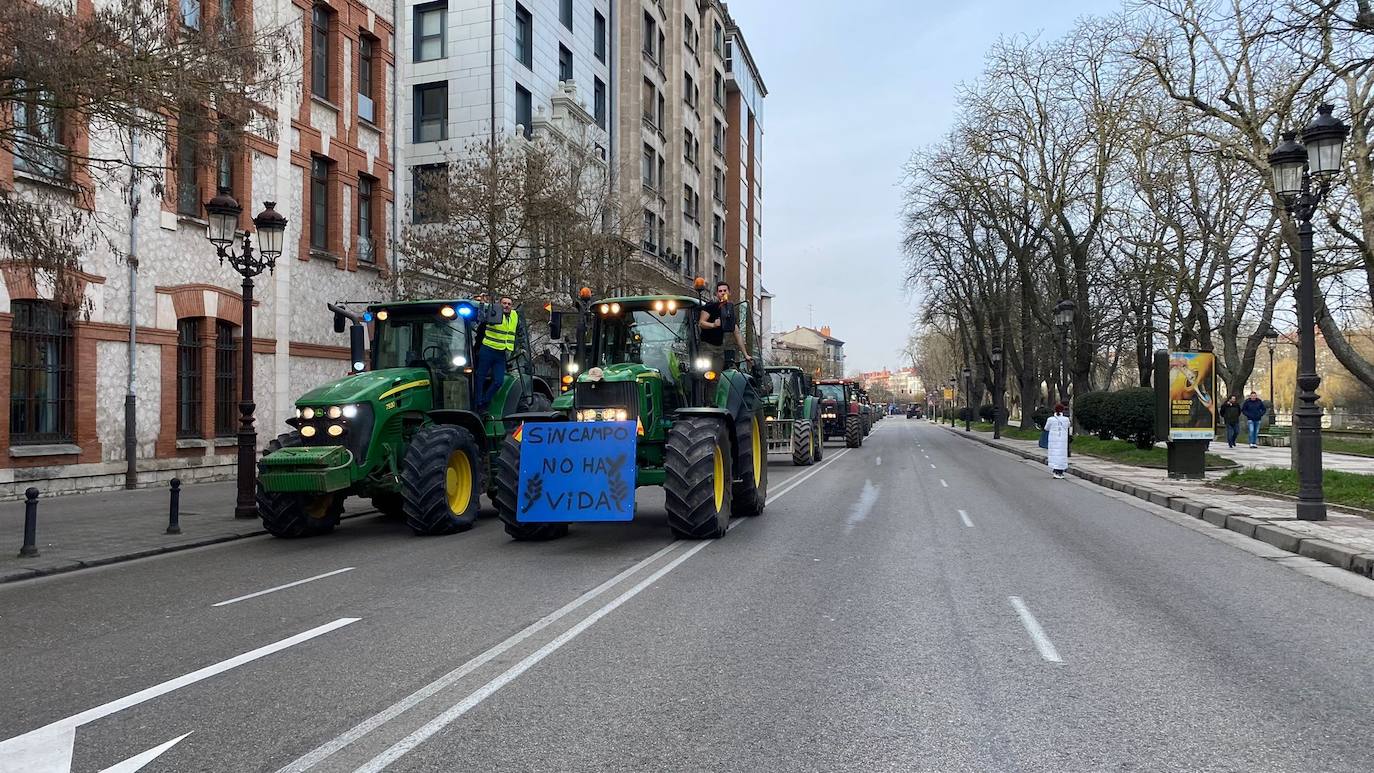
{"x":603,"y":394}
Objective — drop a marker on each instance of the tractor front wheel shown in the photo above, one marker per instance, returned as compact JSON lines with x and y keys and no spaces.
{"x":696,"y":485}
{"x":817,"y":439}
{"x":751,"y":464}
{"x":803,"y":444}
{"x":293,"y":514}
{"x":853,"y":432}
{"x":441,"y":480}
{"x":508,"y":498}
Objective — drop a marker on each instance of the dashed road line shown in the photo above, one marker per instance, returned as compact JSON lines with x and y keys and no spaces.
{"x":963,"y":514}
{"x":1037,"y":634}
{"x":283,"y":587}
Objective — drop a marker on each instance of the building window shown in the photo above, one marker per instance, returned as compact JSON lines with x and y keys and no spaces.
{"x":428,"y":183}
{"x":524,"y":110}
{"x":649,"y":100}
{"x":718,"y":184}
{"x":599,"y":102}
{"x":659,"y":114}
{"x":717,"y":38}
{"x":41,"y":375}
{"x":687,"y":202}
{"x":647,"y":166}
{"x":689,"y":33}
{"x":367,"y":109}
{"x":224,"y":168}
{"x":565,"y":69}
{"x":565,"y":14}
{"x":39,"y":148}
{"x":650,"y":229}
{"x":524,"y":36}
{"x":366,"y":251}
{"x":190,"y":13}
{"x":430,"y":22}
{"x":431,"y":111}
{"x":319,"y":51}
{"x":319,"y":203}
{"x":650,"y":35}
{"x":600,"y":40}
{"x":689,"y":87}
{"x":687,"y":145}
{"x":717,"y":135}
{"x":188,"y":378}
{"x":720,"y":89}
{"x":717,"y":230}
{"x":226,"y":375}
{"x":188,"y":163}
{"x":729,"y":54}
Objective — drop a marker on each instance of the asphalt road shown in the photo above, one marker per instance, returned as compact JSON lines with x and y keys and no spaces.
{"x":921,"y":603}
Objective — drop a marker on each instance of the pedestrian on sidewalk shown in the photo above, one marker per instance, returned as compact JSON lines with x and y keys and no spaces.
{"x":1254,"y":410}
{"x":1230,"y":415}
{"x":1058,"y":427}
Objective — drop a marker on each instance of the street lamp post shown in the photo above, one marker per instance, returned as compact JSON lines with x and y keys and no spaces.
{"x":223,"y":217}
{"x":1294,"y":165}
{"x":996,"y":392}
{"x":1063,"y":319}
{"x":968,"y":398}
{"x":953,"y":398}
{"x":1271,"y":339}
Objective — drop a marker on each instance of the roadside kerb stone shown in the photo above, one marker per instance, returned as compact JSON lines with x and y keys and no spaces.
{"x":1272,"y":533}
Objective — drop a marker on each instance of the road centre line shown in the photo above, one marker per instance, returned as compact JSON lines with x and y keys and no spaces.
{"x":62,"y":732}
{"x":943,"y":484}
{"x":967,"y":521}
{"x":1037,"y":634}
{"x":283,"y":587}
{"x":333,"y":746}
{"x":932,"y":466}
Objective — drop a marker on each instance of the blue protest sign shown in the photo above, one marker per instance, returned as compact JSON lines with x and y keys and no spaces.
{"x":577,"y":471}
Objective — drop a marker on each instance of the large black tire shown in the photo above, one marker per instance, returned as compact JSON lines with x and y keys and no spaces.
{"x":540,"y":403}
{"x":696,"y":485}
{"x":751,"y":465}
{"x":292,"y":514}
{"x":853,"y":432}
{"x":507,"y":497}
{"x":818,"y":435}
{"x":441,"y":479}
{"x":868,"y":427}
{"x":803,"y":443}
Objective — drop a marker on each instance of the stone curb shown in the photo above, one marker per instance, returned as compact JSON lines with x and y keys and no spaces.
{"x":1325,"y":551}
{"x":75,"y":564}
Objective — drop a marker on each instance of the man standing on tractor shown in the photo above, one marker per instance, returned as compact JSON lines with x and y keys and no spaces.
{"x":718,"y":318}
{"x":498,"y":341}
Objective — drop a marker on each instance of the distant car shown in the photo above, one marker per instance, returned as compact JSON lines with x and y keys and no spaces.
{"x":914,"y":411}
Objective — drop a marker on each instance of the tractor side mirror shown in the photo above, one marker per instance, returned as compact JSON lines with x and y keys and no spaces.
{"x":357,"y":348}
{"x":556,"y":325}
{"x":339,"y":322}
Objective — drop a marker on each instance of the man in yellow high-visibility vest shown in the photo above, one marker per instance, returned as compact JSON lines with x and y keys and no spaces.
{"x":497,"y":343}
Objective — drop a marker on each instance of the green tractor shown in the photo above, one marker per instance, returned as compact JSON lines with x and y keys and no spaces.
{"x":793,"y":415}
{"x":700,"y":430}
{"x":401,"y":429}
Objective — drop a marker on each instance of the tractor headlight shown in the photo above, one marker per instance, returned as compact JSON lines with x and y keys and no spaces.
{"x":703,"y":363}
{"x":307,"y":413}
{"x":350,"y":411}
{"x":621,"y":414}
{"x":334,"y":412}
{"x":459,"y":361}
{"x":573,"y":368}
{"x":335,"y":430}
{"x":307,"y":431}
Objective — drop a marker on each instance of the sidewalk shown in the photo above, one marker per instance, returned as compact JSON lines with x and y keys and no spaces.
{"x":1343,"y":540}
{"x":82,"y":530}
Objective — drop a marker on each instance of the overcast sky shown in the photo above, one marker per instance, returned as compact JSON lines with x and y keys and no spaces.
{"x":853,"y":88}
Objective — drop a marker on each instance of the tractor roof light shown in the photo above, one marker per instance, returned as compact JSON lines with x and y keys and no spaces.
{"x":573,"y":367}
{"x":359,"y":367}
{"x":382,"y":315}
{"x":447,"y":312}
{"x":699,"y":283}
{"x":605,"y":308}
{"x":615,"y":308}
{"x":465,"y":311}
{"x":585,"y":293}
{"x":567,"y":379}
{"x":710,"y":375}
{"x":459,"y":361}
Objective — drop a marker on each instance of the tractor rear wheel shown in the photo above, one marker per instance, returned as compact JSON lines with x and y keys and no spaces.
{"x":697,"y":475}
{"x":751,"y":464}
{"x":508,"y":497}
{"x":853,"y":432}
{"x":803,"y":446}
{"x":818,"y":439}
{"x":441,"y":479}
{"x":294,"y":514}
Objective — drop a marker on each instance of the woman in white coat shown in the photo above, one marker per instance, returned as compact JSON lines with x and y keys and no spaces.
{"x":1058,"y":427}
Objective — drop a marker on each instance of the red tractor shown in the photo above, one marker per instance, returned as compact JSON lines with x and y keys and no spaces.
{"x":840,"y":411}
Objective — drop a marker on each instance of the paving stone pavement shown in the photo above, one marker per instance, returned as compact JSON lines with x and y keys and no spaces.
{"x":1343,"y":539}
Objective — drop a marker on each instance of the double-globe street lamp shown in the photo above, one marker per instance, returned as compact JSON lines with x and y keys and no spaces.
{"x":953,"y":398}
{"x":997,"y":392}
{"x":1063,"y":320}
{"x":223,"y":218}
{"x":1294,"y":165}
{"x":1271,"y":339}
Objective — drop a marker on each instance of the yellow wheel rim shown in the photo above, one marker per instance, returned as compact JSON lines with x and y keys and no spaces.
{"x":458,"y":482}
{"x":318,"y":508}
{"x":758,"y":450}
{"x":719,"y":477}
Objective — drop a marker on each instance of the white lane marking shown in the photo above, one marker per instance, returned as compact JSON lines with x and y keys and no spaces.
{"x":878,"y":461}
{"x":405,"y":745}
{"x":1037,"y":634}
{"x":333,"y":746}
{"x":49,"y":748}
{"x":943,"y":484}
{"x":283,"y":587}
{"x":932,"y":466}
{"x":861,"y":508}
{"x":967,"y":521}
{"x":140,"y":761}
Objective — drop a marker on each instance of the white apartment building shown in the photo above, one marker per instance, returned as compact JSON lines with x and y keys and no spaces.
{"x":545,"y":51}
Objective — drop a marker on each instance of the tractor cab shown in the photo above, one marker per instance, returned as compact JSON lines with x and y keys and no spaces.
{"x":645,"y":338}
{"x":434,"y":335}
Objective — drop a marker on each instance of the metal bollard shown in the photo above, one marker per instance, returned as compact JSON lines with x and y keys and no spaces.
{"x":174,"y":511}
{"x":30,"y":549}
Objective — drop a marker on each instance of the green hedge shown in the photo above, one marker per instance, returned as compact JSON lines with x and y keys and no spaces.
{"x":1092,"y":411}
{"x":986,"y":411}
{"x":1130,"y":415}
